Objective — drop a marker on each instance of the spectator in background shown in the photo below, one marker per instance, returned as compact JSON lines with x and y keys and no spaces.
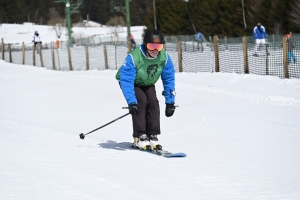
{"x":199,"y":40}
{"x":132,"y":41}
{"x":36,"y":39}
{"x":260,"y":36}
{"x":199,"y":36}
{"x":290,"y":48}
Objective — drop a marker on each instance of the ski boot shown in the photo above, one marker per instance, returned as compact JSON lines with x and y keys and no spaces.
{"x":154,"y":143}
{"x":142,"y":143}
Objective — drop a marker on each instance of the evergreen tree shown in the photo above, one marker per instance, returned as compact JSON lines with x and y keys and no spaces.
{"x":149,"y":19}
{"x":280,"y":16}
{"x":172,"y":18}
{"x":231,"y":18}
{"x":203,"y":15}
{"x":293,"y":16}
{"x":226,"y":18}
{"x":12,"y":11}
{"x":138,"y":12}
{"x":3,"y":11}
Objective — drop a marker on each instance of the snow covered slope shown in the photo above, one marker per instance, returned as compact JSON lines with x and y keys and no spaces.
{"x":241,"y":134}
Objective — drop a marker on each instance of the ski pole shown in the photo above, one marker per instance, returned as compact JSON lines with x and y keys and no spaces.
{"x":83,"y":135}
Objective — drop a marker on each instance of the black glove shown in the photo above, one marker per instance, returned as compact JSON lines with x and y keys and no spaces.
{"x":133,"y":109}
{"x":170,"y":109}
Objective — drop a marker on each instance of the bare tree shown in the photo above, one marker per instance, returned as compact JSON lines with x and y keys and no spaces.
{"x":116,"y":23}
{"x":294,"y":13}
{"x":57,"y":23}
{"x":58,"y":26}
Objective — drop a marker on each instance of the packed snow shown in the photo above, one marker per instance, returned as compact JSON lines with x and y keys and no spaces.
{"x":241,"y":134}
{"x":18,"y":33}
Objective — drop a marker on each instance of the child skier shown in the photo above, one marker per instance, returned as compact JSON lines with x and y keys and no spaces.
{"x":140,"y":71}
{"x":290,"y":48}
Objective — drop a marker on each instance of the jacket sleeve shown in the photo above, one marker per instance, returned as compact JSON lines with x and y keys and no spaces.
{"x":265,"y":33}
{"x":254,"y":33}
{"x":127,"y":76}
{"x":168,"y":79}
{"x":198,"y":37}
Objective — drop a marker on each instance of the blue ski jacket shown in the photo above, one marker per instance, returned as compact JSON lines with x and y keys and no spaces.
{"x":128,"y":73}
{"x":198,"y":36}
{"x":259,"y":32}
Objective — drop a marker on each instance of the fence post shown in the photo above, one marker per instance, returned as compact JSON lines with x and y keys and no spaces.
{"x":40,"y":52}
{"x":9,"y":52}
{"x":285,"y":59}
{"x":245,"y":54}
{"x":179,"y":56}
{"x":87,"y":57}
{"x":23,"y":53}
{"x":202,"y":48}
{"x":216,"y":49}
{"x":100,"y":39}
{"x":105,"y":56}
{"x":267,"y":57}
{"x":93,"y":40}
{"x":129,"y":46}
{"x":53,"y":58}
{"x":33,"y":55}
{"x":2,"y":41}
{"x":193,"y":46}
{"x":69,"y":59}
{"x":116,"y":55}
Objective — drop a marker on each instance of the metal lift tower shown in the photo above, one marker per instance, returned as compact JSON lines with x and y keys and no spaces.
{"x":70,"y":9}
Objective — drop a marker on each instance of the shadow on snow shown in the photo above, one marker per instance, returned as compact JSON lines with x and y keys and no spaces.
{"x":117,"y":146}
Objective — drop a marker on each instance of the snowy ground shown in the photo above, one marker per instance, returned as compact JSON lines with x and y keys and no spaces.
{"x":241,"y":134}
{"x":18,"y":33}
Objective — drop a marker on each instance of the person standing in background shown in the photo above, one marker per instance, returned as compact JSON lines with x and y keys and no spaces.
{"x":199,"y":40}
{"x":36,"y":39}
{"x":290,"y":48}
{"x":260,"y":36}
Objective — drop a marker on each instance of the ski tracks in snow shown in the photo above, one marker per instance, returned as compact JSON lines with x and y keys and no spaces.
{"x":39,"y":166}
{"x":252,"y":98}
{"x":200,"y":122}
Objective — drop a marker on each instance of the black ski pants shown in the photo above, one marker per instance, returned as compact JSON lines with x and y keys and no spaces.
{"x":148,"y":120}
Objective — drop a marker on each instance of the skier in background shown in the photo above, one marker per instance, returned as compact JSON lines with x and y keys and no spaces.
{"x":290,"y":48}
{"x":137,"y":77}
{"x":36,"y":39}
{"x":199,"y":40}
{"x":260,"y":36}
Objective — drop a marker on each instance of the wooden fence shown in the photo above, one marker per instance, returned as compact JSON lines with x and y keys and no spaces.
{"x":179,"y":51}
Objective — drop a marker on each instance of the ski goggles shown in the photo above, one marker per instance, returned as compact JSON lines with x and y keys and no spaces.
{"x":152,"y":46}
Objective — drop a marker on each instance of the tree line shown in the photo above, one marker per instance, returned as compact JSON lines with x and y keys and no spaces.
{"x":231,"y":18}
